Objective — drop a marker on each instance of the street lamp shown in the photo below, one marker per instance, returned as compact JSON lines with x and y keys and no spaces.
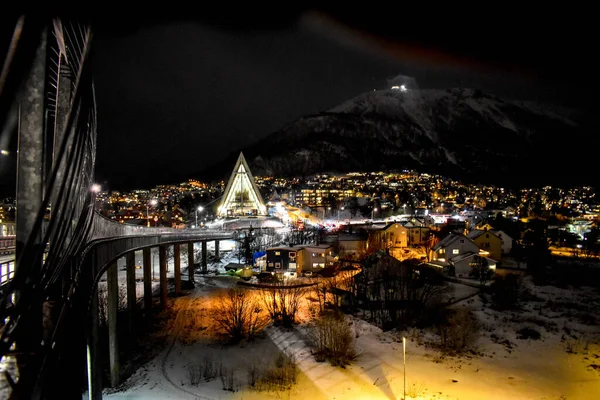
{"x":95,"y":189}
{"x":373,"y":211}
{"x":404,"y":354}
{"x":200,"y":208}
{"x":342,"y":208}
{"x":152,"y":203}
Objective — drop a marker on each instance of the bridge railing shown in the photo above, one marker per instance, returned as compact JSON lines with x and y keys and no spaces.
{"x":106,"y":228}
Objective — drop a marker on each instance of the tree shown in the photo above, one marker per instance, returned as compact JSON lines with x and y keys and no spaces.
{"x":353,"y":206}
{"x":238,"y":314}
{"x":506,"y":291}
{"x":536,"y":248}
{"x":481,"y":269}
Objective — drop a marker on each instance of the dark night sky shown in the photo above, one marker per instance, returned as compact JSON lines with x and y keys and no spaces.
{"x":176,"y":95}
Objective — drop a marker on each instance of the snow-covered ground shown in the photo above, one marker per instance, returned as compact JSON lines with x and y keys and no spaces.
{"x":563,"y":364}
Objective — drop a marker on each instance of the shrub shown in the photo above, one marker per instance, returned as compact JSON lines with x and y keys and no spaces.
{"x":458,"y":329}
{"x":506,"y":292}
{"x":282,"y":303}
{"x":528,"y":333}
{"x":331,"y":338}
{"x":228,"y":379}
{"x":238,"y":314}
{"x":195,"y":374}
{"x":281,"y":375}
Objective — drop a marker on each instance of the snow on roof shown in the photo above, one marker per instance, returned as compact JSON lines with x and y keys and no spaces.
{"x":448,"y":240}
{"x":474,"y":234}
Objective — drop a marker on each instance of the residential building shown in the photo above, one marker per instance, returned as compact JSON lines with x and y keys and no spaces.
{"x":488,"y":242}
{"x":315,"y":257}
{"x":507,"y":241}
{"x":394,"y":235}
{"x":282,"y":259}
{"x":465,"y":263}
{"x":417,"y":231}
{"x":452,"y":246}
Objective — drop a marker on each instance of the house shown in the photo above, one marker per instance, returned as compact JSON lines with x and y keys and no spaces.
{"x":464,"y":264}
{"x":282,"y":259}
{"x":297,"y":259}
{"x":488,"y":242}
{"x":314,"y":258}
{"x":507,"y":241}
{"x":391,"y":236}
{"x":417,"y":231}
{"x":451,"y":246}
{"x":350,"y":245}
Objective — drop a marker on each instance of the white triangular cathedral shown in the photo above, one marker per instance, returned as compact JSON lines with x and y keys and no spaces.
{"x":241,"y":195}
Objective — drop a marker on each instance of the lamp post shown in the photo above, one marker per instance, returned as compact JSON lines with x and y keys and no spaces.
{"x":95,"y":189}
{"x":200,"y":208}
{"x":404,"y":354}
{"x":373,"y":211}
{"x":342,"y":208}
{"x":152,"y":203}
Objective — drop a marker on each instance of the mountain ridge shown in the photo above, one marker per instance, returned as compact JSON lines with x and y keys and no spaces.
{"x":462,"y":133}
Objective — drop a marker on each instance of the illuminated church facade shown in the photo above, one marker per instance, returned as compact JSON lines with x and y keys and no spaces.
{"x":241,"y":197}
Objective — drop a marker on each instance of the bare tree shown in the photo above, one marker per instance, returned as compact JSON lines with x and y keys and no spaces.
{"x":282,"y":302}
{"x":239,"y":315}
{"x":331,"y":339}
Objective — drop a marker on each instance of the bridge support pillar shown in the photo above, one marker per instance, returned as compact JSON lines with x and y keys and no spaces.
{"x":147,"y":282}
{"x":191,"y":261}
{"x":204,"y":257}
{"x":93,"y":355}
{"x":162,"y":259}
{"x":177,"y":262}
{"x":217,"y":249}
{"x":112,"y":280}
{"x":131,"y":295}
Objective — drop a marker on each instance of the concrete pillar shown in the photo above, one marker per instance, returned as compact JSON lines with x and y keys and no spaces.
{"x":94,"y":365}
{"x":217,"y":249}
{"x":147,"y":282}
{"x":131,"y":295}
{"x":204,"y":254}
{"x":162,"y":260}
{"x":177,"y":262}
{"x":191,"y":262}
{"x":112,"y":280}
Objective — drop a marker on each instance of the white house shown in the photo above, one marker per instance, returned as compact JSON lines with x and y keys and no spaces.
{"x":464,"y":264}
{"x":453,"y":245}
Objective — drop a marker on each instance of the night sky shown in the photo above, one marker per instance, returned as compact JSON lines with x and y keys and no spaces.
{"x":177,"y":94}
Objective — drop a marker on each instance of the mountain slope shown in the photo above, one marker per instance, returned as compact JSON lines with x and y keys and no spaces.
{"x":462,"y":133}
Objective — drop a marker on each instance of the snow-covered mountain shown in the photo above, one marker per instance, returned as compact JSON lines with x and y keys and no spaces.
{"x":462,"y":133}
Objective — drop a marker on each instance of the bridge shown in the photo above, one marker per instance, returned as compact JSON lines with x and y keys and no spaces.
{"x":49,"y":293}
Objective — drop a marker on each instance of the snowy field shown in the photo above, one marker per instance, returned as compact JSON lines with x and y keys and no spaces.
{"x":501,"y":365}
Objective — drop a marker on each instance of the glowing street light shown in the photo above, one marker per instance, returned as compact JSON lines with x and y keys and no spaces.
{"x":200,"y":208}
{"x":342,"y":208}
{"x":152,"y":203}
{"x":373,"y":211}
{"x":96,"y":188}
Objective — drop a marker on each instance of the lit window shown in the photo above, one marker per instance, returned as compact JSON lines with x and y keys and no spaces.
{"x":277,"y":253}
{"x":455,"y":251}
